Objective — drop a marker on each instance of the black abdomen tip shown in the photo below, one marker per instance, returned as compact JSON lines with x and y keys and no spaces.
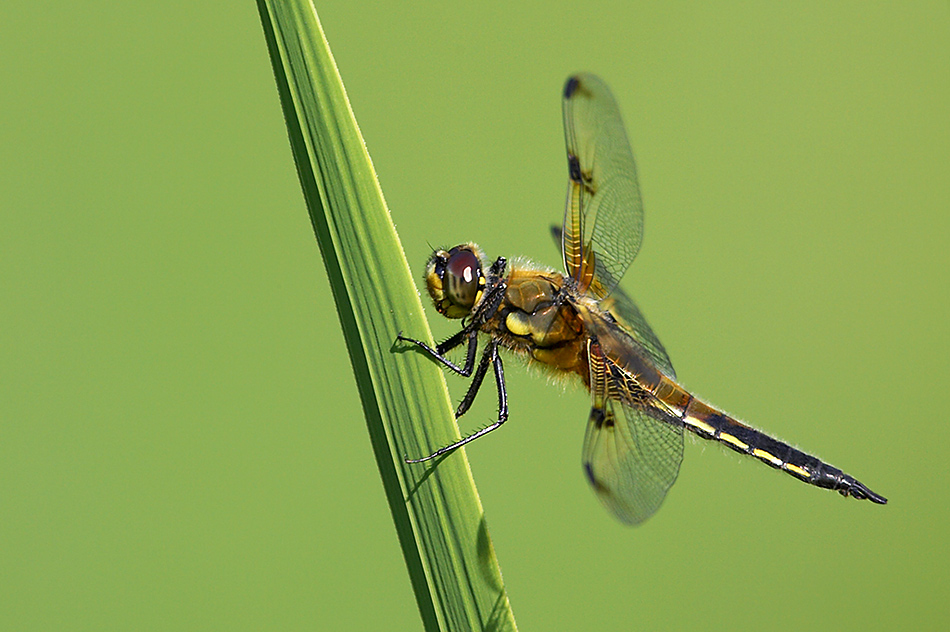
{"x":861,"y":492}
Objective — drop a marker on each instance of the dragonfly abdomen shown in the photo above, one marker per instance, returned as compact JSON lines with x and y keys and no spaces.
{"x":709,"y":423}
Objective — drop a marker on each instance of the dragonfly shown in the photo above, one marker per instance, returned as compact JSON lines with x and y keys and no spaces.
{"x":581,"y":323}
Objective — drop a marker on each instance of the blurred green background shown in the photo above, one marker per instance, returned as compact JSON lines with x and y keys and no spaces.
{"x":181,"y":445}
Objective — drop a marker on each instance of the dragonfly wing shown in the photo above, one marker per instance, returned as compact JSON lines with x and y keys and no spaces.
{"x":632,"y":451}
{"x":603,"y":218}
{"x":625,"y":311}
{"x":631,"y":460}
{"x":631,"y":319}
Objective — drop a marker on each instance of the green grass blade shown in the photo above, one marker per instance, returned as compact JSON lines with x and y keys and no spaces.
{"x":437,"y":513}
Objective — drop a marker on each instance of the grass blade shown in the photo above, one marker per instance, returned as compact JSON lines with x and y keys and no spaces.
{"x":436,"y":509}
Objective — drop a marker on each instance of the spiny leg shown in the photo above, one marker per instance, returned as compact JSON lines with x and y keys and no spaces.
{"x":490,"y":356}
{"x":441,"y":349}
{"x":476,"y":383}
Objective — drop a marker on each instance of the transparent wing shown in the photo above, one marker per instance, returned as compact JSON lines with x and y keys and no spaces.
{"x":631,"y":460}
{"x":631,"y":319}
{"x":626,"y":313}
{"x":603,"y":218}
{"x":632,"y":451}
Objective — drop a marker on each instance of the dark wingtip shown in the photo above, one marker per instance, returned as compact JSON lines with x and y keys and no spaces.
{"x":589,"y":471}
{"x":570,"y":87}
{"x":592,"y":479}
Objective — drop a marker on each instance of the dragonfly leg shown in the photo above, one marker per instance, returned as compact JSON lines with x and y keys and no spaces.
{"x":439,"y":352}
{"x":477,"y":380}
{"x":491,"y":356}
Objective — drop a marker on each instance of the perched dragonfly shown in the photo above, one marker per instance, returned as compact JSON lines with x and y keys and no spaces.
{"x":582,"y":323}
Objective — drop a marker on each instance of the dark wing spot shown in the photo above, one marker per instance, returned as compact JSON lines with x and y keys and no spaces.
{"x":597,"y":485}
{"x":570,"y":87}
{"x":589,"y":182}
{"x":597,"y":416}
{"x":574,"y":168}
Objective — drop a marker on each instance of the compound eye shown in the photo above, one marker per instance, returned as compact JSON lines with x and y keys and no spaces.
{"x":461,"y":278}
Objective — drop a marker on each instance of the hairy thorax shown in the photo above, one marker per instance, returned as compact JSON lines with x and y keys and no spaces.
{"x":538,"y":318}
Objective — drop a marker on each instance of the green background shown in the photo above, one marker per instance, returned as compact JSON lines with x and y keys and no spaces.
{"x":181,"y":443}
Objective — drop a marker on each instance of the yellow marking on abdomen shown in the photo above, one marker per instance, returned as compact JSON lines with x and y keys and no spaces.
{"x":701,"y":425}
{"x":797,"y":470}
{"x":728,"y":438}
{"x":765,"y":456}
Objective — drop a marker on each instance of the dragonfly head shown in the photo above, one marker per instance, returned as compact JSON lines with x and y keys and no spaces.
{"x":455,"y":280}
